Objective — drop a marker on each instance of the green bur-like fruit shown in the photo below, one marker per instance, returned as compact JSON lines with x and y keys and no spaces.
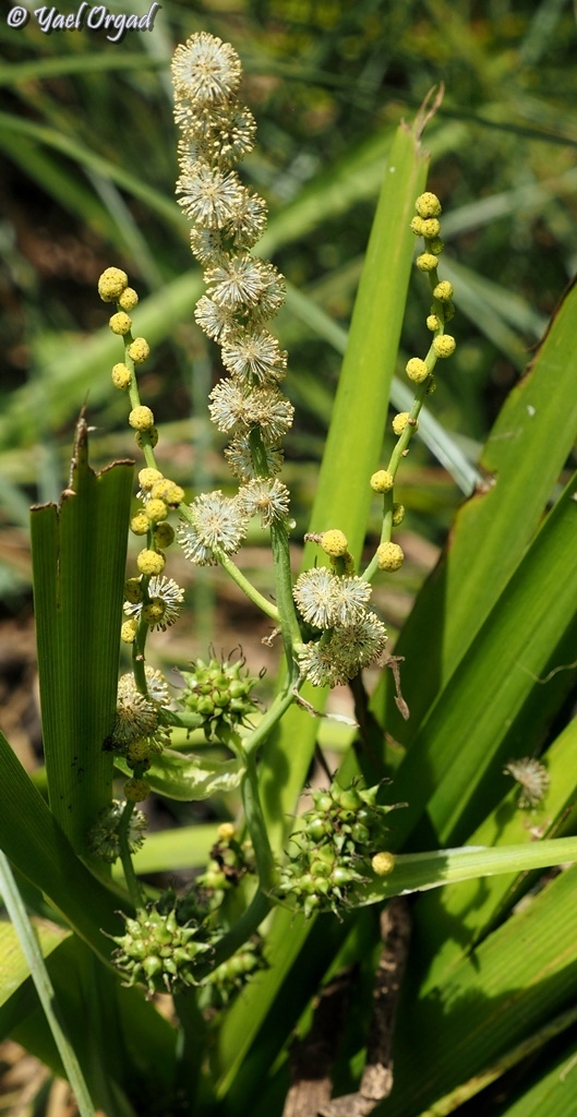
{"x":221,"y":694}
{"x":157,"y":952}
{"x":339,"y":835}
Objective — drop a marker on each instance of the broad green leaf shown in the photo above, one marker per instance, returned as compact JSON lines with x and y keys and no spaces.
{"x":491,"y":709}
{"x":188,"y":778}
{"x":519,"y":978}
{"x":554,"y":1093}
{"x":79,"y":561}
{"x":34,"y":843}
{"x":14,"y":969}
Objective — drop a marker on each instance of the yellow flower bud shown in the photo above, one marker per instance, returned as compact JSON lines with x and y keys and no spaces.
{"x":444,"y":345}
{"x":383,"y":863}
{"x":120,"y":323}
{"x":137,"y":751}
{"x":111,"y":284}
{"x":150,"y":562}
{"x":121,"y":376}
{"x":128,"y":631}
{"x":428,"y":205}
{"x":334,"y":543}
{"x":139,"y":350}
{"x":225,"y":832}
{"x":443,"y":291}
{"x":430,"y":228}
{"x":128,"y":299}
{"x":382,"y":481}
{"x":163,"y":535}
{"x":416,"y":370}
{"x":136,"y":790}
{"x":390,"y":556}
{"x":400,"y":422}
{"x":433,"y":323}
{"x":417,"y":226}
{"x":156,"y":510}
{"x":139,"y":524}
{"x":147,"y":477}
{"x":165,"y":489}
{"x":141,"y":418}
{"x":426,"y":261}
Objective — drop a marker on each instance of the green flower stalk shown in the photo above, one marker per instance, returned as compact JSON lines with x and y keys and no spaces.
{"x":389,"y":555}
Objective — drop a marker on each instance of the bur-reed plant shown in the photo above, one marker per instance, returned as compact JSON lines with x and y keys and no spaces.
{"x":287,"y":900}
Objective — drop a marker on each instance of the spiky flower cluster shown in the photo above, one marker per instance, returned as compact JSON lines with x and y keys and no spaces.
{"x":334,"y":847}
{"x":138,"y":732}
{"x":159,"y":953}
{"x":242,"y":293}
{"x":228,"y":979}
{"x":220,"y":693}
{"x":335,"y":600}
{"x":104,"y":838}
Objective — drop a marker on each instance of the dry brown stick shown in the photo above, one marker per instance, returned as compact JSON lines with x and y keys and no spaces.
{"x":311,"y":1059}
{"x":377,"y":1080}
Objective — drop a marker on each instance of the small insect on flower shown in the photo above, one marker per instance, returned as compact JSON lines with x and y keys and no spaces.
{"x":533,"y":779}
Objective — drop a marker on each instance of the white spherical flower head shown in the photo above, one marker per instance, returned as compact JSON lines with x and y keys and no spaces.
{"x":265,"y":498}
{"x":205,"y":69}
{"x":238,"y":283}
{"x":314,"y":596}
{"x":239,"y":457}
{"x":219,"y":525}
{"x":209,"y":195}
{"x":254,"y":356}
{"x":360,"y":644}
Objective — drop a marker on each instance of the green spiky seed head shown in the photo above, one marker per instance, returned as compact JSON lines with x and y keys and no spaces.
{"x":416,"y":370}
{"x":159,"y":953}
{"x":220,"y":693}
{"x":111,"y":284}
{"x":390,"y":556}
{"x":428,"y":205}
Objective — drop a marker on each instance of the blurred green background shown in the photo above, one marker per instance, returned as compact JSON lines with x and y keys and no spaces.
{"x":87,"y":152}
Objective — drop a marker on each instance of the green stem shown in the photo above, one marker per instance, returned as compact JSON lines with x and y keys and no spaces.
{"x":126,"y":857}
{"x":256,"y":824}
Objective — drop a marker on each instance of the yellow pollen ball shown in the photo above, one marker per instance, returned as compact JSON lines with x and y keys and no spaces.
{"x":150,"y":562}
{"x":433,"y":323}
{"x":121,"y":376}
{"x":334,"y":543}
{"x":400,"y":422}
{"x":382,"y":481}
{"x":225,"y":832}
{"x":416,"y":370}
{"x":128,"y":631}
{"x":431,"y":228}
{"x":398,"y":514}
{"x":443,"y":291}
{"x":166,"y":489}
{"x":128,"y":299}
{"x":138,"y":750}
{"x":163,"y":535}
{"x":156,"y":510}
{"x":444,"y":345}
{"x":120,"y":323}
{"x":136,"y":790}
{"x":383,"y":863}
{"x":428,"y":205}
{"x":141,"y":418}
{"x":390,"y":556}
{"x":417,"y":226}
{"x":139,"y":350}
{"x":139,"y":524}
{"x":111,"y":284}
{"x":147,"y":477}
{"x":426,"y":261}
